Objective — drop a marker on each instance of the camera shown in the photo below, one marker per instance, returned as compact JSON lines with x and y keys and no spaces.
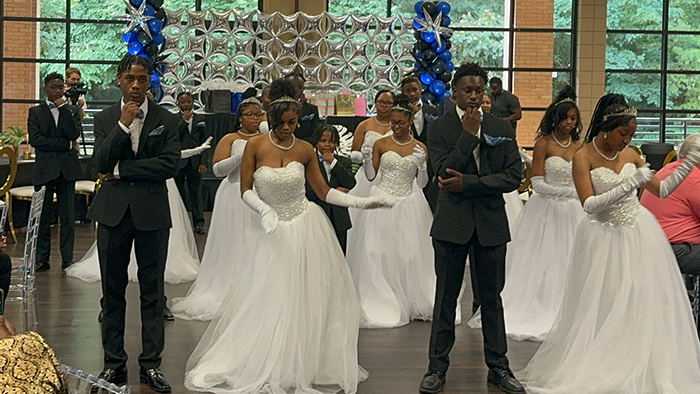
{"x":76,"y":90}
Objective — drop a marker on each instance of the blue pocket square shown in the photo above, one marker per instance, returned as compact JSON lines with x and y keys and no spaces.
{"x":200,"y":124}
{"x":430,"y":118}
{"x":157,"y":131}
{"x":495,"y":141}
{"x":307,"y":117}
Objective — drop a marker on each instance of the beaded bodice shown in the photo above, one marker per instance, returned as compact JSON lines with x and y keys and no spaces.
{"x":237,"y":148}
{"x":557,"y":172}
{"x":626,"y":212}
{"x":397,"y":174}
{"x":283,"y":189}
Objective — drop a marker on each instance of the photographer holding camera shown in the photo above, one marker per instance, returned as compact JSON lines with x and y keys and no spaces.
{"x":75,"y":90}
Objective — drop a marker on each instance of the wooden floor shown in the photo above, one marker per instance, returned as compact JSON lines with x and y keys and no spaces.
{"x":395,"y":358}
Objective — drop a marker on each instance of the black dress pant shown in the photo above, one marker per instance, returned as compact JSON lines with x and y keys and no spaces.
{"x":114,"y":248}
{"x":193,"y":178}
{"x":489,"y":267}
{"x":65,"y":196}
{"x":5,"y":275}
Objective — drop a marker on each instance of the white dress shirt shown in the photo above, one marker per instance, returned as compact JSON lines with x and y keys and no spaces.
{"x":419,"y":119}
{"x":328,"y":166}
{"x":477,"y":154}
{"x":54,"y":110}
{"x":134,"y":131}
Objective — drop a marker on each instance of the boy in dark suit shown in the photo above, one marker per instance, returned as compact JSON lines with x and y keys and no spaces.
{"x":137,"y":148}
{"x":54,"y":127}
{"x":337,"y":171}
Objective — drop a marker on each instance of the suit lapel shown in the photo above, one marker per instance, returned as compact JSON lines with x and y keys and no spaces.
{"x":148,"y":125}
{"x":46,"y":113}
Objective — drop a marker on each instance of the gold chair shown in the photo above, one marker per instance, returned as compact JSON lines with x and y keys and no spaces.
{"x":526,"y":186}
{"x":9,"y":181}
{"x":671,"y":156}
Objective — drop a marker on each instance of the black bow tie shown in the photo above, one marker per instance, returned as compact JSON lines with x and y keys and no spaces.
{"x":52,"y":106}
{"x":141,"y":116}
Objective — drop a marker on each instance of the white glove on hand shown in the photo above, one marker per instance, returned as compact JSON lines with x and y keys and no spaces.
{"x":541,"y":187}
{"x":341,"y":199}
{"x":196,"y":151}
{"x":422,"y":176}
{"x":225,"y":167}
{"x":524,"y":157}
{"x":269,"y":218}
{"x":367,"y":162}
{"x":356,"y":157}
{"x":600,"y":202}
{"x":641,"y":177}
{"x":674,"y":180}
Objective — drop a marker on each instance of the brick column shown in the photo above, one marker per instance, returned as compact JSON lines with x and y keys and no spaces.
{"x":590,"y":50}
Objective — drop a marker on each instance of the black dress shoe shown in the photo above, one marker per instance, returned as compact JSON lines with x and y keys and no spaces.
{"x":199,"y":230}
{"x":432,"y":382}
{"x":66,"y":264}
{"x":167,"y":315}
{"x":41,"y":267}
{"x":116,"y":376}
{"x":155,"y":379}
{"x":503,"y":379}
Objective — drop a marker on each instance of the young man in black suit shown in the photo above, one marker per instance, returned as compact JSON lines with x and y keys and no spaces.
{"x":54,"y":127}
{"x":137,"y":148}
{"x":308,"y":114}
{"x":476,"y":160}
{"x":191,"y":168}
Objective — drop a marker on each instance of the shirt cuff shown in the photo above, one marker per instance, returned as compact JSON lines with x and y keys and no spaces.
{"x":116,"y":169}
{"x":126,"y":129}
{"x":335,"y":161}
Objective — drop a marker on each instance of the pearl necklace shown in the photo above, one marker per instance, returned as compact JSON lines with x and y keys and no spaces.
{"x":285,"y":148}
{"x":248,"y":134}
{"x":601,"y":153}
{"x":380,"y":123}
{"x":563,"y":146}
{"x":402,"y":143}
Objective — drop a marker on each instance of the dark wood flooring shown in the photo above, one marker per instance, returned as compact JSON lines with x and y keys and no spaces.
{"x":395,"y":358}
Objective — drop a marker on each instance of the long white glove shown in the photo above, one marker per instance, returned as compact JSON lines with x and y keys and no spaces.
{"x":341,"y":199}
{"x":230,"y":164}
{"x":422,"y":177}
{"x":541,"y":187}
{"x":356,"y":157}
{"x":600,"y":202}
{"x":525,"y":157}
{"x":672,"y":182}
{"x":367,"y":162}
{"x":196,"y":151}
{"x":269,"y":216}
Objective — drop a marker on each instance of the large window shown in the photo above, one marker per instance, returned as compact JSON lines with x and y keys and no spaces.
{"x":652,"y":58}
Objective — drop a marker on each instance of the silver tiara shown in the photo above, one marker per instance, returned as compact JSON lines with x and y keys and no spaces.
{"x":250,"y":100}
{"x":284,"y":99}
{"x":566,"y":100}
{"x":404,"y":109}
{"x":630,"y":111}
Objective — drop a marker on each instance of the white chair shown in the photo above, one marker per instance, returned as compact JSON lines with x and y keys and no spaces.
{"x":86,"y":188}
{"x":80,"y":382}
{"x":25,"y":273}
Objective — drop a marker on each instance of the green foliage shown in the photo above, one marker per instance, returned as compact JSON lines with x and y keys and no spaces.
{"x":13,"y":135}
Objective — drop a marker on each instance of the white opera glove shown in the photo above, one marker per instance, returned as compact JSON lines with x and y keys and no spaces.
{"x":602,"y":201}
{"x":420,"y":155}
{"x":525,"y":157}
{"x":540,"y":186}
{"x":341,"y":199}
{"x":185,"y":153}
{"x":367,"y":162}
{"x":356,"y":157}
{"x":674,"y":180}
{"x":269,"y":216}
{"x":228,"y":165}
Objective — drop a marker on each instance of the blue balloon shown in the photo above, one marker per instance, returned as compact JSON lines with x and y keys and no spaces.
{"x":426,"y":78}
{"x":130,"y":36}
{"x":416,"y":25}
{"x":417,"y":65}
{"x":437,"y":87}
{"x":446,"y":20}
{"x":439,"y":48}
{"x":149,"y":11}
{"x":155,"y":26}
{"x":144,"y":55}
{"x":135,"y":48}
{"x":449,"y":66}
{"x":447,"y":94}
{"x":443,"y":7}
{"x":158,"y":39}
{"x":137,"y":3}
{"x":428,"y":36}
{"x":445,"y":56}
{"x":418,"y":54}
{"x":418,"y":7}
{"x":155,"y":83}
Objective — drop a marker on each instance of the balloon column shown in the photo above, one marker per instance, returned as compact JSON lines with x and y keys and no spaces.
{"x":144,"y":36}
{"x":432,"y":49}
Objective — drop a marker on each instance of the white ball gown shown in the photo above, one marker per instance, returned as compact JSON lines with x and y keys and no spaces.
{"x":182,"y":264}
{"x":362,"y":184}
{"x":294,"y":325}
{"x":390,"y":253}
{"x":224,"y":256}
{"x":625,"y":325}
{"x":538,"y":258}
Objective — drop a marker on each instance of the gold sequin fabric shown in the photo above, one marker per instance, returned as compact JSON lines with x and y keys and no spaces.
{"x":397,"y":174}
{"x":557,"y":172}
{"x":28,"y":365}
{"x":283,"y":189}
{"x":624,"y":213}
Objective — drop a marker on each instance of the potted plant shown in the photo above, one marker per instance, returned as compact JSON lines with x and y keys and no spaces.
{"x":15,"y":136}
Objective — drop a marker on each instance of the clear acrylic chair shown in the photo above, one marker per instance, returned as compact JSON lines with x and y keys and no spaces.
{"x":80,"y":382}
{"x":24,"y":275}
{"x":693,"y":286}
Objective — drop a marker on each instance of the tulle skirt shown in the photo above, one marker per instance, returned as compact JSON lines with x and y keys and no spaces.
{"x":514,"y":205}
{"x":625,"y":325}
{"x":225,"y":255}
{"x":291,"y":326}
{"x":361,"y":189}
{"x":536,"y":266}
{"x":182,"y":264}
{"x":392,"y":262}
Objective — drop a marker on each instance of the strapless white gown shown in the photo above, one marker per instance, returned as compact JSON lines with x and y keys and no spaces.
{"x":182,"y":263}
{"x":362,"y":184}
{"x":625,"y":325}
{"x":292,"y":325}
{"x":538,"y":258}
{"x":390,"y":253}
{"x":225,"y":253}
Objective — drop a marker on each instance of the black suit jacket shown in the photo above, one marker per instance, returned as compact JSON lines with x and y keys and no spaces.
{"x":189,"y":140}
{"x":341,"y":176}
{"x":141,"y":186}
{"x":308,"y":122}
{"x":480,"y":206}
{"x":54,"y":152}
{"x":430,"y":113}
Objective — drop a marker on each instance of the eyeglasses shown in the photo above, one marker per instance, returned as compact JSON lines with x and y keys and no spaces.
{"x":385,"y":103}
{"x":253,"y":115}
{"x":56,"y":87}
{"x":399,"y":124}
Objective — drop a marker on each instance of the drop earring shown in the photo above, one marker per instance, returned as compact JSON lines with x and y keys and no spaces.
{"x":605,"y":135}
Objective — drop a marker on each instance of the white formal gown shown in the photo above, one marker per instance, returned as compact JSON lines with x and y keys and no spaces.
{"x":293,"y":326}
{"x":182,"y":263}
{"x":225,"y":255}
{"x":362,"y":184}
{"x":390,"y":253}
{"x":538,"y":258}
{"x":625,"y":325}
